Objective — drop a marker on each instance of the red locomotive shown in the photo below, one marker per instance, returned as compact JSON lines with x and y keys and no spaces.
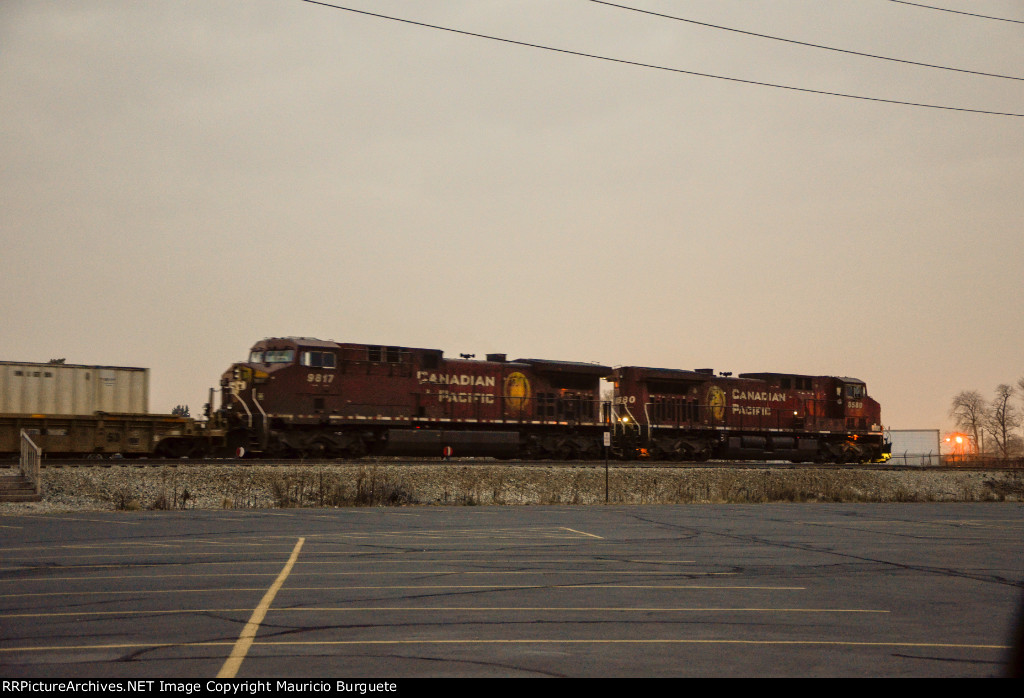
{"x":695,"y":415}
{"x":299,"y":396}
{"x":305,"y":396}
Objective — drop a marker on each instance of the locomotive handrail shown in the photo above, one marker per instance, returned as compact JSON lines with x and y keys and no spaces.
{"x":248,"y":412}
{"x":30,"y":462}
{"x":266,"y":420}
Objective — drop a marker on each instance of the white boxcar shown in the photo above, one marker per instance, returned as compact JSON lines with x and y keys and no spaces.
{"x":71,"y":389}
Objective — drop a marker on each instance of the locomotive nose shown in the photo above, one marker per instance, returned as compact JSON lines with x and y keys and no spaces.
{"x":236,"y":379}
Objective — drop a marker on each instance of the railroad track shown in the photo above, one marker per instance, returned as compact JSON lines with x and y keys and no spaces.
{"x":474,"y":462}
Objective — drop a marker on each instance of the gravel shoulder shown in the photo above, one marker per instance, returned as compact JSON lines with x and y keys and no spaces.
{"x":194,"y":486}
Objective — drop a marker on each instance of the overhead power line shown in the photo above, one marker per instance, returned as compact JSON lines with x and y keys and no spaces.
{"x":658,"y":67}
{"x":958,"y":12}
{"x":803,"y":43}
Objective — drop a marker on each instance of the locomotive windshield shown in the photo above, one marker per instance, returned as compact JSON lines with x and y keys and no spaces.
{"x":278,"y":356}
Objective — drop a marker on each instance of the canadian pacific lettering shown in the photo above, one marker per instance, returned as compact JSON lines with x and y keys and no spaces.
{"x":755,"y":396}
{"x":455,"y":379}
{"x":748,"y":410}
{"x":460,"y":380}
{"x":448,"y":396}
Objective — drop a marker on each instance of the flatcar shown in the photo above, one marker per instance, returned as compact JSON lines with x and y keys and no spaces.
{"x":87,"y":410}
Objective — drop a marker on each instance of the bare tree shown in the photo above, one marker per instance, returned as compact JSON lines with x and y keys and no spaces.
{"x":1003,"y":418}
{"x":968,"y":411}
{"x":1020,"y":387}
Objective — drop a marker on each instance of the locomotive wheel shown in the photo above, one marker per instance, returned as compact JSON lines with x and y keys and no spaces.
{"x":592,"y":450}
{"x":566,"y":451}
{"x":655,"y":453}
{"x":174,"y":448}
{"x":355,"y":448}
{"x":682,"y":453}
{"x":703,"y":455}
{"x":233,"y":441}
{"x":318,"y":448}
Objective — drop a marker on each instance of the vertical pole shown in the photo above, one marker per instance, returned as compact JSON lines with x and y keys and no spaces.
{"x":607,"y":444}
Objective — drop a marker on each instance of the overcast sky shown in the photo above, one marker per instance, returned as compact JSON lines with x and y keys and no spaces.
{"x":181,"y":179}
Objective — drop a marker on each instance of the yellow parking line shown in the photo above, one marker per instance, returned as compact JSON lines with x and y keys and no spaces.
{"x":833,"y":643}
{"x":582,"y":533}
{"x":472,"y":609}
{"x":129,"y":591}
{"x":576,"y":609}
{"x":549,"y":586}
{"x":334,"y":563}
{"x":53,"y":517}
{"x":669,"y":641}
{"x":245,"y":640}
{"x":384,"y":573}
{"x":404,"y":586}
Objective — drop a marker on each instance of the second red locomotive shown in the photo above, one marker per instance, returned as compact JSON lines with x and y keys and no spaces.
{"x":695,"y":415}
{"x":301,"y":396}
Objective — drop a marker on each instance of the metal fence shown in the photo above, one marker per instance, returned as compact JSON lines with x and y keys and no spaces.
{"x":908,"y":458}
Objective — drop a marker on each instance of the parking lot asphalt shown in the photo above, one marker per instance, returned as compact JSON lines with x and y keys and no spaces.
{"x":862,"y":590}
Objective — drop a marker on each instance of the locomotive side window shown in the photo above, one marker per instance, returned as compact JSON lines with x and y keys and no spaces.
{"x":545,"y":405}
{"x":318,"y":359}
{"x":380,"y":355}
{"x":855,"y":391}
{"x":256,"y":357}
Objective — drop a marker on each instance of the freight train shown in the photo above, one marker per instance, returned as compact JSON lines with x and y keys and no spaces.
{"x":303,"y":397}
{"x":300,"y":396}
